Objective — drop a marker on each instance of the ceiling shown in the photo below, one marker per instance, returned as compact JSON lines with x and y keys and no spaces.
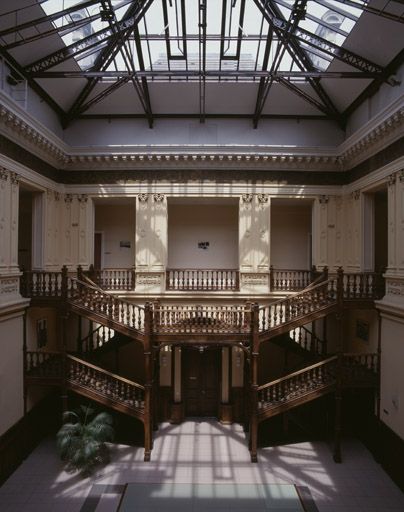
{"x":316,"y":59}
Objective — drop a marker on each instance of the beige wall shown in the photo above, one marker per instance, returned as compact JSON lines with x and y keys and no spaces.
{"x":190,"y":224}
{"x":392,"y":381}
{"x":11,"y":371}
{"x":290,"y":235}
{"x":117,"y":223}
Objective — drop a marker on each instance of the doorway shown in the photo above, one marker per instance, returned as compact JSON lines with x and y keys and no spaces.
{"x":201,"y":368}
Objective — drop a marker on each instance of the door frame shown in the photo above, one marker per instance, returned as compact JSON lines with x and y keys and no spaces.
{"x":184,"y":350}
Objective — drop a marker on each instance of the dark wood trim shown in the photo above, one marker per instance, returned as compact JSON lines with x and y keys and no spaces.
{"x":19,"y":441}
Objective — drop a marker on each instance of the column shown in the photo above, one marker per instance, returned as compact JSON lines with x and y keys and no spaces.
{"x":151,"y":242}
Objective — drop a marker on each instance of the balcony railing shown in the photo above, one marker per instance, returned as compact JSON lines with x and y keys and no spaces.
{"x":202,"y":279}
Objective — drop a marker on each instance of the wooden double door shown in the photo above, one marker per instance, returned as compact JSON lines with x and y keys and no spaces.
{"x":201,"y":383}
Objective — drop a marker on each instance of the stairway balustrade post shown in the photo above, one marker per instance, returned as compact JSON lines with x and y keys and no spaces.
{"x":64,"y":284}
{"x":271,"y":278}
{"x":148,"y":363}
{"x":80,"y":272}
{"x":254,"y":383}
{"x":313,"y":273}
{"x":133,"y":278}
{"x":339,"y":377}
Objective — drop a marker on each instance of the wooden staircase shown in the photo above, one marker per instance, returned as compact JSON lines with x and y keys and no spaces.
{"x":86,"y":379}
{"x":281,"y":395}
{"x":246,"y":326}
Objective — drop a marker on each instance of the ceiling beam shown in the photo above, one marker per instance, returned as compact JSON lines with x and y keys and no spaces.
{"x":300,"y":57}
{"x":127,"y":57}
{"x":202,"y":15}
{"x":48,"y":18}
{"x":297,"y":13}
{"x":372,"y":10}
{"x":106,"y":57}
{"x":386,"y":76}
{"x":208,"y":73}
{"x":104,"y":35}
{"x":321,"y":44}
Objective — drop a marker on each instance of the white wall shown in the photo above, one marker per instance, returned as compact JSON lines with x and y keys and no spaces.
{"x":290,"y":235}
{"x":11,"y":372}
{"x":189,"y":224}
{"x":126,"y":132}
{"x":117,"y":223}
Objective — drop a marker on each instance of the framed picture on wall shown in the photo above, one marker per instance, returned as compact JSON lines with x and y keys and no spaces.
{"x":362,"y":330}
{"x":41,"y":332}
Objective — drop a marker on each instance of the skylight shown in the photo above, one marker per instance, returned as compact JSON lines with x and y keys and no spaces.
{"x":237,"y":42}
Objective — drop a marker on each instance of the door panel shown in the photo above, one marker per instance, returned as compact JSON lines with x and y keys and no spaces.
{"x":201,"y":382}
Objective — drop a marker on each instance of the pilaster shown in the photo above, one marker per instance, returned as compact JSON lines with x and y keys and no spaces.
{"x":254,"y":242}
{"x":9,"y":270}
{"x":151,"y":242}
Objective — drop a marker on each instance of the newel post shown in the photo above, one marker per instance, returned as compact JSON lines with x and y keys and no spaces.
{"x":271,"y":278}
{"x":339,"y":377}
{"x":63,"y":329}
{"x":254,"y":382}
{"x":148,"y":363}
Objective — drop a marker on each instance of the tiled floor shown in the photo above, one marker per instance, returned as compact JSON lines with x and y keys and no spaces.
{"x":204,"y":452}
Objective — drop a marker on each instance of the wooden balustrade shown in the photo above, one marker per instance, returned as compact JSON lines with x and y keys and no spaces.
{"x":360,"y":368}
{"x":298,"y":305}
{"x":201,"y":319}
{"x":308,"y":340}
{"x":289,"y":280}
{"x":297,"y":384}
{"x":95,"y":300}
{"x":43,"y":365}
{"x":41,"y":283}
{"x":97,"y":338}
{"x":108,"y":385}
{"x":202,"y":279}
{"x":113,"y":278}
{"x":363,"y":286}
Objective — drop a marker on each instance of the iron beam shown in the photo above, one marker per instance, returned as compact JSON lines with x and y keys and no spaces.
{"x":104,"y":35}
{"x":321,"y":44}
{"x":208,"y":73}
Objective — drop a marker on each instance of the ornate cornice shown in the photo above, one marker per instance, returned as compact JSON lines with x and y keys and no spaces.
{"x":342,"y":158}
{"x":29,"y":136}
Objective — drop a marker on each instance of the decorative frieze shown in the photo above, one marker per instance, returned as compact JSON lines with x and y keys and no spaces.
{"x":395,"y":287}
{"x":149,"y":279}
{"x":257,"y":279}
{"x":9,"y":285}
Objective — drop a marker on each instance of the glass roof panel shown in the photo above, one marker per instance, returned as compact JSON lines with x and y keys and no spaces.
{"x":236,"y":35}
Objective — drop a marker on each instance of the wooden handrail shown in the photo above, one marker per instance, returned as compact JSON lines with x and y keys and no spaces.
{"x":106,"y":372}
{"x":297,"y":373}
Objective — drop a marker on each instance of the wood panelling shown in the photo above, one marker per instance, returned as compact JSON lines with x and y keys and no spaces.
{"x":18,"y":442}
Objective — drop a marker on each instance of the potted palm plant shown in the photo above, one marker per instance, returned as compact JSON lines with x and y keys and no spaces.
{"x":82,"y":437}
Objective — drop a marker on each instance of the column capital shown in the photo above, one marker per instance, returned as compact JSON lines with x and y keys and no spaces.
{"x":391,"y":179}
